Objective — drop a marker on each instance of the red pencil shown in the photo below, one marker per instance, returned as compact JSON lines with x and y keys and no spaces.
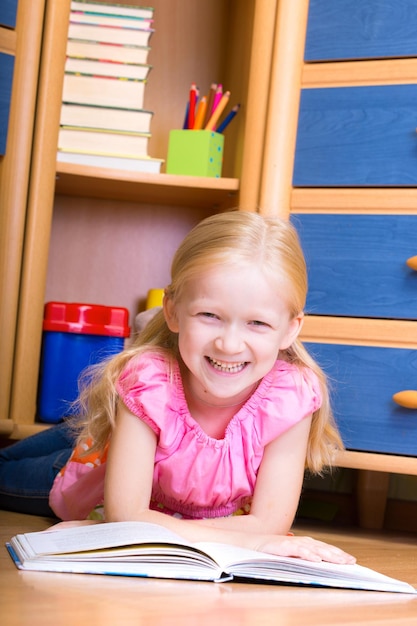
{"x":191,"y":111}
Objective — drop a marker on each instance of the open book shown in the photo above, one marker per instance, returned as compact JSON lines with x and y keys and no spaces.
{"x":149,"y":550}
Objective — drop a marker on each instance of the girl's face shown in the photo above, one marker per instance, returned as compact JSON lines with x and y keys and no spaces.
{"x":231,"y":323}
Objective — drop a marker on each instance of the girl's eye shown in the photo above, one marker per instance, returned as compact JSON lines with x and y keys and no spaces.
{"x":258,"y":323}
{"x":207,"y":314}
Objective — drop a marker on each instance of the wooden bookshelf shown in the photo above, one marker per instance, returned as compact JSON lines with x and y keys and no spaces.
{"x":232,"y":43}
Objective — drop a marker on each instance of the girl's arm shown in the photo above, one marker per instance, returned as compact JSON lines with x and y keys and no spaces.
{"x":128,"y":487}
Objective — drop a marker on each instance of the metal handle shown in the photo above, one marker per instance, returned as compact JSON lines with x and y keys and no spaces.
{"x":406,"y":398}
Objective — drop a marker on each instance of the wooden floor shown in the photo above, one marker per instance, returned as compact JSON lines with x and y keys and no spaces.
{"x":42,"y":599}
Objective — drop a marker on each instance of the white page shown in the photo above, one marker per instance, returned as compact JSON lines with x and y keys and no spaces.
{"x":298,"y":569}
{"x":94,"y":536}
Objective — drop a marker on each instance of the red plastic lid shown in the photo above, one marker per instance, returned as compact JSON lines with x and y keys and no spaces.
{"x":88,"y":319}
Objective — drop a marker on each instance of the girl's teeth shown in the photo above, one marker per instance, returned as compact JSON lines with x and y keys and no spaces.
{"x":230,"y":368}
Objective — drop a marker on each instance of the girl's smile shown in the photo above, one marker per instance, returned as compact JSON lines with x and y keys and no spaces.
{"x":227,"y":368}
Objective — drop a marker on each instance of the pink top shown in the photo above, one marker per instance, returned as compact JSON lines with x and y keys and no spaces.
{"x":195,"y":475}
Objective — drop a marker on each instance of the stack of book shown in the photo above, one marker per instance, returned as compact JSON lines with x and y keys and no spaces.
{"x":103,"y":122}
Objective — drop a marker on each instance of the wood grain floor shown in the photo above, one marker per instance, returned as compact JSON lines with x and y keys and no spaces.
{"x":35,"y":598}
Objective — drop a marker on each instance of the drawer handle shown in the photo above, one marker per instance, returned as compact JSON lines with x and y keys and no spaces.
{"x":407,"y":399}
{"x":412,"y":262}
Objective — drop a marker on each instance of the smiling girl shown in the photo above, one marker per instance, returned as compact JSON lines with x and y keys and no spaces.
{"x":206,"y":424}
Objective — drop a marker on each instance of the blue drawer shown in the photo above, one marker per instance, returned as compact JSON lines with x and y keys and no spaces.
{"x":363,"y":381}
{"x":8,"y":10}
{"x":357,"y":136}
{"x":6,"y":79}
{"x":357,"y":264}
{"x":361,"y":29}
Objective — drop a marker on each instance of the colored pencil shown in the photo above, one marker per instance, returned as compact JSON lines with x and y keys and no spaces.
{"x":211,"y":124}
{"x":210,"y":100}
{"x":217,"y":97}
{"x":191,"y":110}
{"x":187,"y":108}
{"x":228,"y":118}
{"x":201,"y":113}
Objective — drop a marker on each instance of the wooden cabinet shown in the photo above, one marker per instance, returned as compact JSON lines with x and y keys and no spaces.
{"x":107,"y":236}
{"x":354,"y":201}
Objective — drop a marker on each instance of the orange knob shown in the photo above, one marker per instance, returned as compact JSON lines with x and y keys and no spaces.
{"x":412,"y":262}
{"x":407,"y":399}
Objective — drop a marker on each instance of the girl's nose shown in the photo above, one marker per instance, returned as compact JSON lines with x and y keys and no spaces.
{"x":230,"y":341}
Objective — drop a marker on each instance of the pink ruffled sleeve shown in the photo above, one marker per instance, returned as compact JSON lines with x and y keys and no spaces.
{"x":290,"y":394}
{"x":147,"y":387}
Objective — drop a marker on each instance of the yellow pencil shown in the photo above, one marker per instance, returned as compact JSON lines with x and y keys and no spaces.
{"x":218,"y":111}
{"x":200,"y":115}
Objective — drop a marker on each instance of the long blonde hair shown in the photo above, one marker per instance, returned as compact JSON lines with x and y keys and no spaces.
{"x":223,"y":238}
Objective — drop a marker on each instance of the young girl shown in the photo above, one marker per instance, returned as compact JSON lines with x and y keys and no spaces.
{"x":206,"y":423}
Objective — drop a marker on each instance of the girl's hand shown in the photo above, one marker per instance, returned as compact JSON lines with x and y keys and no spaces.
{"x":305,"y":548}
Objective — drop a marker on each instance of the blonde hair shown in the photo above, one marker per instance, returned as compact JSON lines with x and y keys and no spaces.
{"x":226,"y":238}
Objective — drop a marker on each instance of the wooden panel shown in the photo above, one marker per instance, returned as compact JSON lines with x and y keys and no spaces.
{"x":8,"y":40}
{"x":39,"y":212}
{"x":353,"y":29}
{"x":360,"y":331}
{"x":347,"y":73}
{"x":256,"y":108}
{"x":357,"y":264}
{"x":284,"y":94}
{"x":363,"y":380}
{"x":14,"y":177}
{"x":358,"y":136}
{"x":377,"y":462}
{"x":347,"y":200}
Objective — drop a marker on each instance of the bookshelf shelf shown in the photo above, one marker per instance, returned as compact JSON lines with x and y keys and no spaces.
{"x":95,"y":182}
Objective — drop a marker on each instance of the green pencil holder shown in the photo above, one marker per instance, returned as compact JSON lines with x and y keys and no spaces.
{"x":195,"y":153}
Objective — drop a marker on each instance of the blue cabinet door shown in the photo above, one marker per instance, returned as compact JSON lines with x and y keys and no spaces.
{"x":8,"y":10}
{"x":6,"y":80}
{"x":357,"y":264}
{"x":363,"y":380}
{"x":357,"y":136}
{"x":361,"y":29}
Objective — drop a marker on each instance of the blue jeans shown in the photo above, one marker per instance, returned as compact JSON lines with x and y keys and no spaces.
{"x":28,"y":469}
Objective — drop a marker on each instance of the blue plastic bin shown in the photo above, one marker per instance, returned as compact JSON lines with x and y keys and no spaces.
{"x":74,"y":336}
